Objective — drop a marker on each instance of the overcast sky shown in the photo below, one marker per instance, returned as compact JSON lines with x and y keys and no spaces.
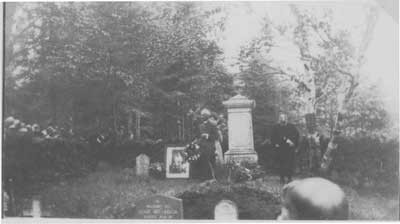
{"x":245,"y":19}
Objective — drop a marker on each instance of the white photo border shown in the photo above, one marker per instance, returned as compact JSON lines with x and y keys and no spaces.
{"x":168,"y":161}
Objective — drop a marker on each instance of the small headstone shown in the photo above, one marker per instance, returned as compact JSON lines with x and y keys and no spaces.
{"x":34,"y":211}
{"x":226,"y":210}
{"x":159,"y":207}
{"x":142,"y":165}
{"x":36,"y":208}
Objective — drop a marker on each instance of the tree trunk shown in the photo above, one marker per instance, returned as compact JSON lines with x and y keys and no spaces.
{"x":314,"y":152}
{"x":54,"y":107}
{"x":332,"y":146}
{"x":130,"y":122}
{"x":183,"y":128}
{"x":179,"y":126}
{"x":137,"y":128}
{"x":73,"y":117}
{"x":115,"y":118}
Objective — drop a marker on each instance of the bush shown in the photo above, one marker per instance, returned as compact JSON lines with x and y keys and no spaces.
{"x":125,"y":154}
{"x":367,"y":162}
{"x":157,"y":170}
{"x":267,"y":157}
{"x":28,"y":159}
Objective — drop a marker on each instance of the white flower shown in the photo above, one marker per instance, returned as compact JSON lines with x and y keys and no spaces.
{"x":9,"y":119}
{"x":35,"y":127}
{"x":23,"y":130}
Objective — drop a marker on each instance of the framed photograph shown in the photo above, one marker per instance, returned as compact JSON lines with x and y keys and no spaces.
{"x":175,"y":165}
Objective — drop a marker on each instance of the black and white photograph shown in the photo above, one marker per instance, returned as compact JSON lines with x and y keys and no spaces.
{"x":200,"y":111}
{"x":176,"y":166}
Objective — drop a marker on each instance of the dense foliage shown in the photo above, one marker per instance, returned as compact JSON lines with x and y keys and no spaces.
{"x":90,"y":67}
{"x":367,"y":163}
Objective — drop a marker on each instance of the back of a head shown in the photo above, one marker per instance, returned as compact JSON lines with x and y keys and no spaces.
{"x":314,"y":199}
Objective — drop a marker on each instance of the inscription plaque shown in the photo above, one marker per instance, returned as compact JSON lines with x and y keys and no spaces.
{"x":159,"y":207}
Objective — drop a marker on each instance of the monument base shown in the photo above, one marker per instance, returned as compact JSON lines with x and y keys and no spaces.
{"x":235,"y":156}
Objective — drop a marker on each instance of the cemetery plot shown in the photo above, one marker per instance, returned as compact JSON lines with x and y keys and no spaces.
{"x":159,"y":207}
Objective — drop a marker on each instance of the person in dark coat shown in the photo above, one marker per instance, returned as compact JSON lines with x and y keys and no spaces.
{"x":285,"y":139}
{"x":204,"y":167}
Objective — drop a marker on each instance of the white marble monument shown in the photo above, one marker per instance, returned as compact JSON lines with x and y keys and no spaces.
{"x":240,"y":130}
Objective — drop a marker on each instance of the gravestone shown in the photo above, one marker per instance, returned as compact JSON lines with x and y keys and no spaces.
{"x":159,"y":207}
{"x":34,"y":211}
{"x":34,"y":208}
{"x":226,"y":210}
{"x":142,"y":165}
{"x":240,"y":130}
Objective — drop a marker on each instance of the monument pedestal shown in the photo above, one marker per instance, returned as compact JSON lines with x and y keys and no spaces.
{"x":249,"y":156}
{"x":240,"y":130}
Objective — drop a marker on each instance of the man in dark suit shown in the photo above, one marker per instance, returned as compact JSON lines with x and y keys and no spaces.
{"x":285,"y":139}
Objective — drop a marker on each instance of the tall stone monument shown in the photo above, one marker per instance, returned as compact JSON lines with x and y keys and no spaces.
{"x":240,"y":130}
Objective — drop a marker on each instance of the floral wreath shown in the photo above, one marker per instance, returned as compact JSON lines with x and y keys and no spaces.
{"x":192,"y":151}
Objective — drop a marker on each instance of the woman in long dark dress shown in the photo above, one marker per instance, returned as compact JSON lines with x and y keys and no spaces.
{"x":204,"y":167}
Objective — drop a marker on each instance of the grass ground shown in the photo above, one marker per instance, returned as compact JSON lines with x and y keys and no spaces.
{"x":363,"y":206}
{"x":112,"y":194}
{"x":106,"y":194}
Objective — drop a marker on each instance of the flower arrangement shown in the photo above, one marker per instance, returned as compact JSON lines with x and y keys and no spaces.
{"x":239,"y":172}
{"x":192,"y":152}
{"x":244,"y":171}
{"x":157,"y":170}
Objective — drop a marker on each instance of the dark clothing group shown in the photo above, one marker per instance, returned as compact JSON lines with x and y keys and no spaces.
{"x":282,"y":135}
